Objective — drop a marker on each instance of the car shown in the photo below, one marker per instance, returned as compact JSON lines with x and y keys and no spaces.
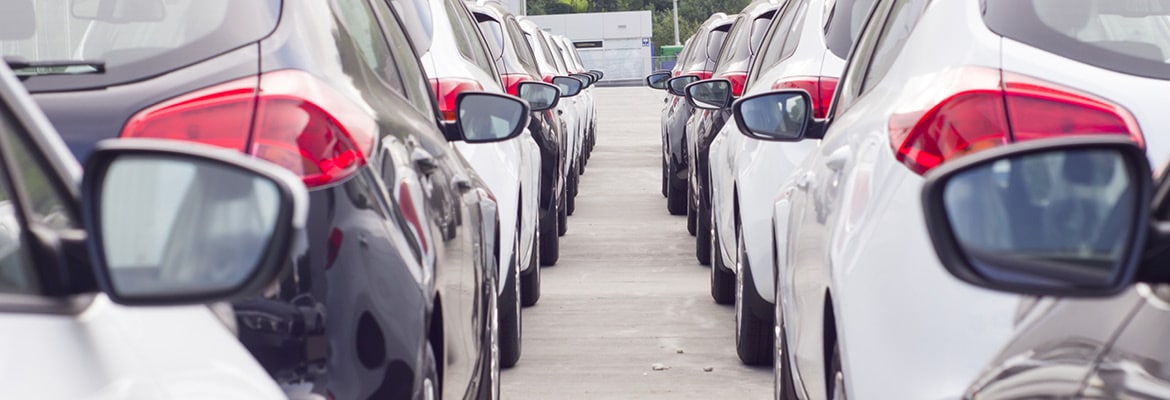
{"x":400,"y":274}
{"x":804,"y":48}
{"x":565,"y":55}
{"x":697,"y":65}
{"x":105,"y":279}
{"x":516,"y":63}
{"x":573,"y":58}
{"x":742,"y":44}
{"x":456,"y":59}
{"x":866,"y":309}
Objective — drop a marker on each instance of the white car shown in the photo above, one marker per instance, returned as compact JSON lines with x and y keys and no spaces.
{"x":455,"y":58}
{"x":865,"y":308}
{"x":75,"y":275}
{"x":805,"y":49}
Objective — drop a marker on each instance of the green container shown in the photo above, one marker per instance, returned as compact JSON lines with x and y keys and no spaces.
{"x":671,"y":51}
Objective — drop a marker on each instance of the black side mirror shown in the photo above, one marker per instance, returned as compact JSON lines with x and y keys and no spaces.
{"x":658,"y":80}
{"x":482,"y":117}
{"x":585,"y":78}
{"x":711,"y":94}
{"x":569,"y":86}
{"x":539,"y":95}
{"x":782,"y":116}
{"x":174,"y":222}
{"x":600,"y":75}
{"x":1053,"y":217}
{"x":678,"y":85}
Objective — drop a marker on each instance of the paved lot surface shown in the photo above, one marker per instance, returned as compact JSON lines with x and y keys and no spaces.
{"x":627,"y":292}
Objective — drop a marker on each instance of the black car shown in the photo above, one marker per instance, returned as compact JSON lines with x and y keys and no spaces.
{"x":396,"y":292}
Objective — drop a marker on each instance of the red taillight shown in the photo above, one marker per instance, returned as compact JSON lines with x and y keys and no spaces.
{"x":701,"y":74}
{"x":512,"y":82}
{"x":819,"y":88}
{"x":986,"y":108}
{"x":294,"y":120}
{"x":738,"y":79}
{"x":548,"y":78}
{"x":448,"y":89}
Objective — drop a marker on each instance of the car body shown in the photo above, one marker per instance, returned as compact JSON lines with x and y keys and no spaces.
{"x":699,"y":62}
{"x":736,"y":55}
{"x":865,"y":308}
{"x":573,"y":58}
{"x":746,"y":172}
{"x":402,"y":236}
{"x":87,"y":342}
{"x":455,"y":58}
{"x":576,"y":112}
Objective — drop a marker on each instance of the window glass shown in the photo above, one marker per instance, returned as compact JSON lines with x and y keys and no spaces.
{"x":16,"y":274}
{"x":1128,"y":36}
{"x":363,"y":30}
{"x":903,"y":16}
{"x":414,"y":80}
{"x":850,"y":87}
{"x":792,"y":39}
{"x":844,"y":24}
{"x":493,"y":33}
{"x":524,"y":52}
{"x":770,"y":50}
{"x":466,"y":37}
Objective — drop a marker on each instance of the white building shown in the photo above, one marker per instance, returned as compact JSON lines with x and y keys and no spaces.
{"x":616,"y":43}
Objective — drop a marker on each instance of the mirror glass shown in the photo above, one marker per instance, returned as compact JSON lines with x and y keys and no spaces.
{"x":569,"y":86}
{"x":585,"y":79}
{"x":540,"y":96}
{"x":173,"y":225}
{"x":712,"y":94}
{"x":485,"y":117}
{"x":775,"y":116}
{"x":1056,"y":218}
{"x":658,"y":80}
{"x":678,"y":85}
{"x":118,"y":11}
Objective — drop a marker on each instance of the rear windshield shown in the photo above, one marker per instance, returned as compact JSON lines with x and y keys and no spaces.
{"x":131,"y":39}
{"x":743,"y":43}
{"x":1128,"y":36}
{"x":844,"y":24}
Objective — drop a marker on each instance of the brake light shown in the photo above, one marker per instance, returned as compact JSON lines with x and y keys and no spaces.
{"x":702,"y":75}
{"x":819,"y":88}
{"x":986,"y":108}
{"x":512,"y":82}
{"x":548,"y":78}
{"x":288,"y":117}
{"x":448,"y":89}
{"x":738,"y":79}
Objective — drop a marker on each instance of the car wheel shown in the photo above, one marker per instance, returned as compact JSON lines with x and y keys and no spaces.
{"x":703,"y":235}
{"x":550,"y":238}
{"x":785,"y":388}
{"x":664,"y":176}
{"x":722,"y":278}
{"x":753,"y":335}
{"x":430,"y":368}
{"x":571,"y":201}
{"x":676,"y":193}
{"x":692,"y":219}
{"x":509,"y":314}
{"x":563,"y":216}
{"x":489,"y":380}
{"x":530,"y":282}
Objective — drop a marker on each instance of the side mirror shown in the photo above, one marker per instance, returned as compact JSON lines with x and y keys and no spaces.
{"x":539,"y":95}
{"x":1053,"y":217}
{"x":569,"y":86}
{"x":600,"y":75}
{"x":678,"y":85}
{"x":482,"y":117}
{"x":783,"y":116}
{"x":174,"y":222}
{"x":711,"y":94}
{"x":658,"y":80}
{"x":585,"y":78}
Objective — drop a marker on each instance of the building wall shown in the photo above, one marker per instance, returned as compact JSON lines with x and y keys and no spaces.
{"x":624,"y":37}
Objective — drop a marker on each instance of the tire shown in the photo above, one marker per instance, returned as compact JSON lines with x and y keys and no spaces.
{"x":785,"y":387}
{"x":550,"y":240}
{"x":703,"y":235}
{"x":663,"y":176}
{"x":489,"y":379}
{"x":836,"y":376}
{"x":430,"y":370}
{"x":753,"y":335}
{"x":676,"y":194}
{"x":571,"y":201}
{"x":722,"y":278}
{"x":692,"y":218}
{"x":530,"y":282}
{"x":509,"y":317}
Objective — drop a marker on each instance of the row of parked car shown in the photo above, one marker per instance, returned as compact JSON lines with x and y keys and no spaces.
{"x":914,"y":199}
{"x":364,"y":191}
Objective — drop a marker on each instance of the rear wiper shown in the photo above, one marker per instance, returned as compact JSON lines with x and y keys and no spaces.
{"x":52,"y":67}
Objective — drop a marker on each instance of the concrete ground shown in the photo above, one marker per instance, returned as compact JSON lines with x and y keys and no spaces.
{"x":628,"y":293}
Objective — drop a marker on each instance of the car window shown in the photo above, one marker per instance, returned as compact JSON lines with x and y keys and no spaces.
{"x":16,"y":274}
{"x":1128,"y":36}
{"x":524,"y":52}
{"x":771,"y":50}
{"x":48,"y":202}
{"x":493,"y":33}
{"x":414,"y":80}
{"x":792,"y":38}
{"x":365,"y":33}
{"x":903,"y":16}
{"x":844,"y":23}
{"x":850,"y":87}
{"x":417,"y":20}
{"x":466,"y":37}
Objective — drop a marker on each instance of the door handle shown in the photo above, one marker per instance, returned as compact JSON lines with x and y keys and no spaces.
{"x":424,"y":161}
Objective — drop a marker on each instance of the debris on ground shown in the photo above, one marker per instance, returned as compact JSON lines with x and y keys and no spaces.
{"x":659,"y":367}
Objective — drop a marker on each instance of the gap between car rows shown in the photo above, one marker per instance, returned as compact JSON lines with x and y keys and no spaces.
{"x":627,"y":312}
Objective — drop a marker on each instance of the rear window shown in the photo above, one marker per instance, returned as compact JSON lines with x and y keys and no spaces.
{"x":133,"y":40}
{"x":1128,"y":36}
{"x":844,"y":23}
{"x":744,"y":41}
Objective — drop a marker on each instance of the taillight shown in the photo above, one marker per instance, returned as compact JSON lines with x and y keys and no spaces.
{"x":512,"y":82}
{"x":986,"y":108}
{"x":448,"y":89}
{"x":819,"y":88}
{"x":548,"y":78}
{"x":738,"y":79}
{"x":701,"y":74}
{"x":293,"y":120}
